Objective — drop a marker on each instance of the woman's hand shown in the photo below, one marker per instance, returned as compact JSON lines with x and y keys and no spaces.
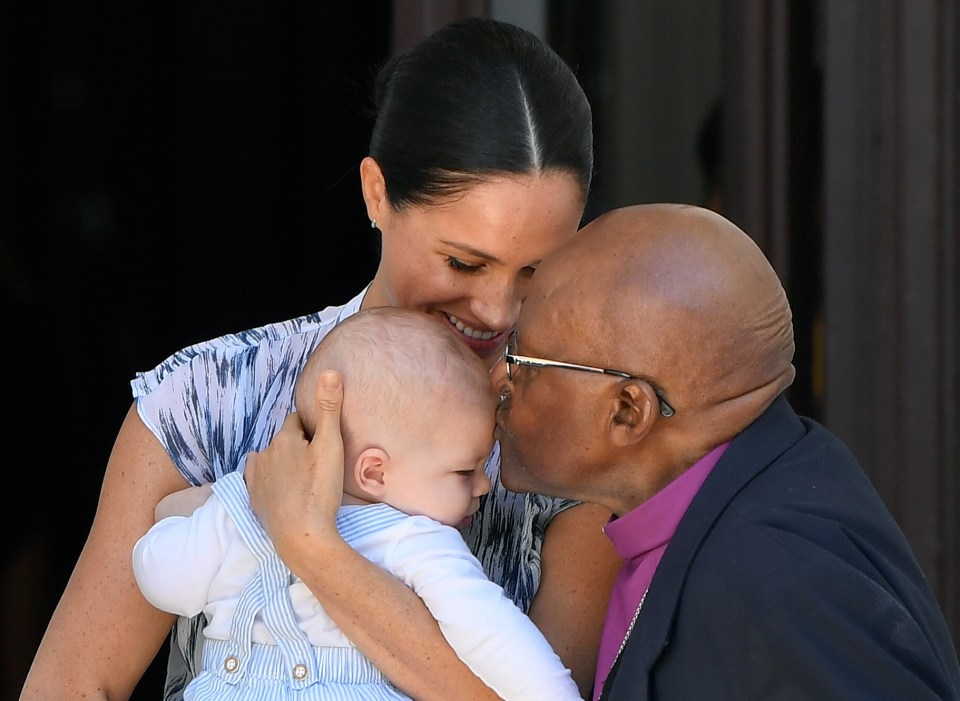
{"x":296,"y":485}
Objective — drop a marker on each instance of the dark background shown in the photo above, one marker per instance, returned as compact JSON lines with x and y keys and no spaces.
{"x":168,"y":172}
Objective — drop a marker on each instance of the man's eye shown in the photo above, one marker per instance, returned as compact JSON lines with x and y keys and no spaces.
{"x":462,"y":267}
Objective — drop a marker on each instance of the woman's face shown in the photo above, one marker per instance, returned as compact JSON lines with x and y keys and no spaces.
{"x":468,"y":261}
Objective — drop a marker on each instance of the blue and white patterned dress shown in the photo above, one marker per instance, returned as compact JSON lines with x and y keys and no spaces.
{"x":212,"y":403}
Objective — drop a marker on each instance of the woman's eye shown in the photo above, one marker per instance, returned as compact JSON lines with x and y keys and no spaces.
{"x":465,"y":473}
{"x":462,"y":267}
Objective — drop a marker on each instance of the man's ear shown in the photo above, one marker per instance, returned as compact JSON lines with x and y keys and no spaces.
{"x":369,"y":469}
{"x":374,"y":188}
{"x":635,"y":411}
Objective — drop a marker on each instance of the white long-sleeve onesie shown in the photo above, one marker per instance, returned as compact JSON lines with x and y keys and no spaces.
{"x":186,"y":565}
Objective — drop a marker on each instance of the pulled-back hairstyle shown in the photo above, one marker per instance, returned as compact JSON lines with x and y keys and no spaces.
{"x":398,"y":366}
{"x":477,"y":98}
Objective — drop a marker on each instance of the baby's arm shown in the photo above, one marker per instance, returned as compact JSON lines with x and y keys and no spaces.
{"x":175,"y":562}
{"x":489,"y":633}
{"x":183,"y":502}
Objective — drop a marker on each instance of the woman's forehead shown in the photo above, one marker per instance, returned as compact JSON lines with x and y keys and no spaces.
{"x":494,"y":217}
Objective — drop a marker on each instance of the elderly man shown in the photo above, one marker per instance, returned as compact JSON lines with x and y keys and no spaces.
{"x":759,"y":563}
{"x":646,"y":376}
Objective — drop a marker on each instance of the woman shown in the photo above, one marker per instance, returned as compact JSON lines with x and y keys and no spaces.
{"x":480,"y":163}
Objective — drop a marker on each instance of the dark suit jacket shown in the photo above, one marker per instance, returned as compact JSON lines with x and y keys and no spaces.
{"x":787,"y":578}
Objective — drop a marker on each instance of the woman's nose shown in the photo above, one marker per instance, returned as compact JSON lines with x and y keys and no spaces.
{"x":497,"y":303}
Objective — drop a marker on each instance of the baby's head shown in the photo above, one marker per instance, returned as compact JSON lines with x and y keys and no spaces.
{"x":418,"y":412}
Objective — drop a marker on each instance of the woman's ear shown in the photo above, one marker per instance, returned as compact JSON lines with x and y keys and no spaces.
{"x":635,"y":411}
{"x":369,"y":469}
{"x":374,"y":188}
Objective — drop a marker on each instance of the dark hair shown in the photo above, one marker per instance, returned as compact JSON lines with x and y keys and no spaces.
{"x":477,"y":98}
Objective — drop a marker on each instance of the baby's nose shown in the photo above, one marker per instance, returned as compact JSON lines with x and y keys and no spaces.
{"x":481,"y":484}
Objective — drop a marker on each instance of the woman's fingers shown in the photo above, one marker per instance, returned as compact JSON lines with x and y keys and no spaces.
{"x":277,"y":478}
{"x":296,"y":486}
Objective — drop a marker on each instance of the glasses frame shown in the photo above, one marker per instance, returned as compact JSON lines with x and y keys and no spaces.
{"x":510,"y":359}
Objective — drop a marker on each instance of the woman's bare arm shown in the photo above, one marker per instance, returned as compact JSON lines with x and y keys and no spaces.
{"x":295,"y":489}
{"x":579,"y":565}
{"x":104,"y":634}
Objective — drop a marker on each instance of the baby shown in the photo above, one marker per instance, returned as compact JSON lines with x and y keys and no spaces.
{"x":417,"y":424}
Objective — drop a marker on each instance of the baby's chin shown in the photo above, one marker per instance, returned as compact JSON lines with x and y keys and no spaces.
{"x":465,"y":522}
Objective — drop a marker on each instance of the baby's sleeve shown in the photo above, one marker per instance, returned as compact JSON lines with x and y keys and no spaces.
{"x":499,"y":643}
{"x":177,"y":559}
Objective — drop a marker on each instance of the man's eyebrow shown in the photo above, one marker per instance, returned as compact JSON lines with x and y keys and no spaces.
{"x":476,"y":252}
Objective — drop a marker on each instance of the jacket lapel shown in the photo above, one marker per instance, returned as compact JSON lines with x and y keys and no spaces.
{"x":748,"y":455}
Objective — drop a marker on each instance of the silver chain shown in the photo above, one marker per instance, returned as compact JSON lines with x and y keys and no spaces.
{"x":626,"y":636}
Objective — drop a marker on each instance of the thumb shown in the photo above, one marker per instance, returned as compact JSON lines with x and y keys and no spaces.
{"x":329,"y":401}
{"x":329,"y":395}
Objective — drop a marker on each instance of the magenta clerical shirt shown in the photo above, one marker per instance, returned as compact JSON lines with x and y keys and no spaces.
{"x":640,"y":538}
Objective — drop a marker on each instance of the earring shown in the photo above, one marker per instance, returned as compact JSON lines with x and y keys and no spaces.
{"x":373,"y":223}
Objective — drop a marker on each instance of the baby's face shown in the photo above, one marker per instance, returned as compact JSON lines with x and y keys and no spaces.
{"x":442,"y":476}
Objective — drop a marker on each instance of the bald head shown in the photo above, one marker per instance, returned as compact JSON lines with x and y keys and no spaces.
{"x":680,"y":295}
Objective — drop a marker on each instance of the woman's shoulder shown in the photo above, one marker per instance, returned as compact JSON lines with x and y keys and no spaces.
{"x":270,"y":339}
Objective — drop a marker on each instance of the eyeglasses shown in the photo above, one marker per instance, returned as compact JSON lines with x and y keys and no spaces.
{"x":511,"y":359}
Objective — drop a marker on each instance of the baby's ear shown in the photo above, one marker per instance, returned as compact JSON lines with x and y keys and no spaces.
{"x":369,"y":469}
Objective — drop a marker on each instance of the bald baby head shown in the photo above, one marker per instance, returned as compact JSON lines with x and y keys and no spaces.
{"x":682,"y":296}
{"x":401,"y":369}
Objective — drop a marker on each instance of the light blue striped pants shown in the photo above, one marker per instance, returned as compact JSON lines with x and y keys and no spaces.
{"x":344,"y":675}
